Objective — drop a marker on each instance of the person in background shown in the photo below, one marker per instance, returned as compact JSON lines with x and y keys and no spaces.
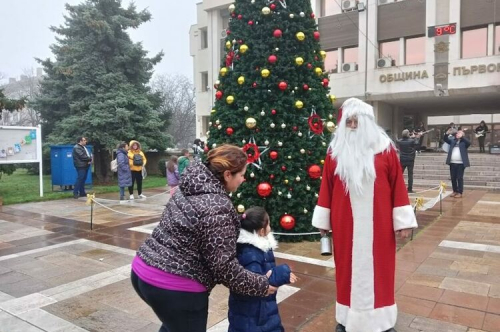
{"x":172,"y":173}
{"x":407,"y":150}
{"x":481,"y":131}
{"x":458,"y":159}
{"x":137,"y":161}
{"x":193,"y":248}
{"x":123,"y":170}
{"x":82,"y":161}
{"x":184,"y":160}
{"x":198,"y":149}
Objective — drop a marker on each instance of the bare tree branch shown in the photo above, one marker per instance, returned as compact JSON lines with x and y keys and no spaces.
{"x":178,"y":103}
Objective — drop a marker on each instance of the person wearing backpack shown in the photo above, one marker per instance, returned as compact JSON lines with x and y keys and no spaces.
{"x":183,"y":161}
{"x":123,"y":169}
{"x":137,"y":161}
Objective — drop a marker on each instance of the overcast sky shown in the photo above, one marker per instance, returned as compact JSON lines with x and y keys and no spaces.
{"x":25,"y":32}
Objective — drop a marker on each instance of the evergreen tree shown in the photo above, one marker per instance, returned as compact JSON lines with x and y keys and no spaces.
{"x":272,"y":100}
{"x":98,"y":84}
{"x":10,"y":104}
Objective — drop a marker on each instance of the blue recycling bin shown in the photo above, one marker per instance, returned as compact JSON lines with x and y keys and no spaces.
{"x":63,"y":171}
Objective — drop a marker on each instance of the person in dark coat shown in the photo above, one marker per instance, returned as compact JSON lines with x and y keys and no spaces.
{"x":255,"y":253}
{"x":124,"y":174}
{"x":407,"y":149}
{"x":481,"y":131}
{"x":458,"y":159}
{"x":193,"y":248}
{"x":82,"y":161}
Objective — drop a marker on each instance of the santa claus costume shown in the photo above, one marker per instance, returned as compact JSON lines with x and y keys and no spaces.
{"x":363,"y":200}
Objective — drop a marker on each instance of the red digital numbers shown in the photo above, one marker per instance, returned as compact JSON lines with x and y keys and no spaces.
{"x":439,"y":31}
{"x":445,"y":30}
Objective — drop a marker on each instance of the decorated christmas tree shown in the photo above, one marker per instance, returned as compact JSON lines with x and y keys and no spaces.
{"x":272,"y":100}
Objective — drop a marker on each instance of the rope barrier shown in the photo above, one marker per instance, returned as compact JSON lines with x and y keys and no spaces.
{"x":128,"y":214}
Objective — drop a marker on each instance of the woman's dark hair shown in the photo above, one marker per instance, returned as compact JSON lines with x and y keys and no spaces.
{"x":122,"y":145}
{"x":226,"y":158}
{"x":254,"y":218}
{"x":171,"y":164}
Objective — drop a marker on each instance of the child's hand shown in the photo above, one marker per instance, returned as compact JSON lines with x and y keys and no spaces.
{"x":268,"y":274}
{"x":293,"y":278}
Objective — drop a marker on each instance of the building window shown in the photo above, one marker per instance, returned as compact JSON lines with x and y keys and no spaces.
{"x":350,"y":54}
{"x":329,"y":8}
{"x":204,"y":38}
{"x":332,"y":61}
{"x":474,"y":43}
{"x":204,"y":124}
{"x":204,"y":81}
{"x":415,"y":50}
{"x":497,"y":39}
{"x":390,"y":49}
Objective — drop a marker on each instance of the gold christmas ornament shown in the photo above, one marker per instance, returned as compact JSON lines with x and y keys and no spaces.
{"x":265,"y":73}
{"x":266,"y":11}
{"x":299,"y":61}
{"x":223,"y":71}
{"x":228,"y":44}
{"x":241,"y":80}
{"x":213,"y":111}
{"x":300,"y":36}
{"x":241,"y":208}
{"x":231,"y":8}
{"x":243,"y":48}
{"x":286,"y":181}
{"x":323,"y":54}
{"x":299,"y":104}
{"x":251,"y":123}
{"x":318,"y":71}
{"x":322,"y":161}
{"x":229,"y":100}
{"x":333,"y":98}
{"x":330,"y":126}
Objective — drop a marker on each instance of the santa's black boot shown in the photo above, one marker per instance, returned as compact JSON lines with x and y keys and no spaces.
{"x":340,"y":328}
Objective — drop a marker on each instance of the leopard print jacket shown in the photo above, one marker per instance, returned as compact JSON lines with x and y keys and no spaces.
{"x":196,"y":237}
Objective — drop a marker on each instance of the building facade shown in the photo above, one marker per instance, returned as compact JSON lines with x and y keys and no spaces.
{"x":430,"y":61}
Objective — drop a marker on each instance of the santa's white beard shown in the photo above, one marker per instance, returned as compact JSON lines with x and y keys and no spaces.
{"x":355,"y":159}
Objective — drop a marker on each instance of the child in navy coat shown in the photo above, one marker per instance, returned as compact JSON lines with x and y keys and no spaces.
{"x":255,"y":253}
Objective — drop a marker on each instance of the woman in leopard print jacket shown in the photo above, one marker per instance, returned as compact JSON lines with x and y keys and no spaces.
{"x":194,"y":246}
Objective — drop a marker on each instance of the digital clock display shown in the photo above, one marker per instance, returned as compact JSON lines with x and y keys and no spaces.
{"x":449,"y":29}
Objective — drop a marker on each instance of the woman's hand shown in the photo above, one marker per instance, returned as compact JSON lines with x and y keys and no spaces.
{"x":271,"y":290}
{"x":293,"y":278}
{"x":404,"y":233}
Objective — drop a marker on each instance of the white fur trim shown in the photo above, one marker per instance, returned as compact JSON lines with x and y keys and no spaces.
{"x":355,"y":106}
{"x":263,"y":243}
{"x":363,"y":275}
{"x":374,"y":320}
{"x":321,"y":218}
{"x":404,"y":217}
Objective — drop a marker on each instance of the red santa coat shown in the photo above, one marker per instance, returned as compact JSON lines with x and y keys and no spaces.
{"x":364,"y":241}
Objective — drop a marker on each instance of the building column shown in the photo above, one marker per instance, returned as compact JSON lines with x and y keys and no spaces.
{"x":491,"y":39}
{"x":402,"y":51}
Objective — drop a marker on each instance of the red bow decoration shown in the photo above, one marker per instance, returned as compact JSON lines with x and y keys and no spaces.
{"x":254,"y":154}
{"x":229,"y":59}
{"x":315,"y":124}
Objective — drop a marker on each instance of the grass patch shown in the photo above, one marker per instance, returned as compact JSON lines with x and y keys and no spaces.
{"x":21,"y":187}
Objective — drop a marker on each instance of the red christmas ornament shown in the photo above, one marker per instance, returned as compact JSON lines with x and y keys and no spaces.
{"x":229,"y":58}
{"x":315,"y":124}
{"x":309,"y":66}
{"x":240,"y":17}
{"x":257,"y":130}
{"x":283,"y":168}
{"x":233,"y":15}
{"x":305,"y":87}
{"x":219,"y":95}
{"x":295,"y":128}
{"x":273,"y":155}
{"x":240,"y":41}
{"x":312,"y":15}
{"x":316,"y":57}
{"x":264,"y":189}
{"x":271,"y":176}
{"x":237,"y":56}
{"x":272,"y":6}
{"x":326,"y":82}
{"x":252,"y":152}
{"x":314,"y":172}
{"x":273,"y":112}
{"x":282,"y":86}
{"x":316,"y":35}
{"x":287,"y":222}
{"x":216,"y":85}
{"x":277,"y":33}
{"x":272,"y":59}
{"x":250,"y":22}
{"x":228,"y":32}
{"x":229,"y":131}
{"x":254,"y":85}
